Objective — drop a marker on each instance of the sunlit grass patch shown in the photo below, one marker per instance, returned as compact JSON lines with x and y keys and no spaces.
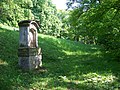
{"x":75,"y":53}
{"x":100,"y":81}
{"x":59,"y":88}
{"x":3,"y":62}
{"x":96,"y":78}
{"x":41,"y":83}
{"x":94,"y":81}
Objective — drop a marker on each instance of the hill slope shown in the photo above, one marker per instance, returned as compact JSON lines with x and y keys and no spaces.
{"x":69,"y":65}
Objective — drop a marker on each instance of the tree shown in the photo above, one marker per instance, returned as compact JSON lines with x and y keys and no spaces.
{"x":41,"y":10}
{"x":46,"y":13}
{"x":12,"y":11}
{"x":99,"y":23}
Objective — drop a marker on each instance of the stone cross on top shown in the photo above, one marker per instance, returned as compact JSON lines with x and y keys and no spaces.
{"x":29,"y":53}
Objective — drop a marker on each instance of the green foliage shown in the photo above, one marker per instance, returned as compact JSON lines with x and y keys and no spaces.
{"x":98,"y":24}
{"x":69,"y":65}
{"x":63,"y":16}
{"x":46,"y":13}
{"x":12,"y":11}
{"x":41,"y":10}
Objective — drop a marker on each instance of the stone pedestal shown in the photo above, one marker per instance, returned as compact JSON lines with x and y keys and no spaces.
{"x":30,"y":58}
{"x":29,"y":54}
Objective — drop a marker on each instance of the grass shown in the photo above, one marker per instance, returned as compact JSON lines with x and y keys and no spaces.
{"x":69,"y":66}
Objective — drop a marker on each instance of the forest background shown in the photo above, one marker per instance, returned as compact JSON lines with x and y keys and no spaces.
{"x":85,"y":21}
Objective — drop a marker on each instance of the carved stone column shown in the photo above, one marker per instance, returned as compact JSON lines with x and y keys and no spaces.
{"x":30,"y":56}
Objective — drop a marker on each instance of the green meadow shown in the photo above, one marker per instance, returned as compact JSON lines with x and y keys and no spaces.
{"x":67,"y":65}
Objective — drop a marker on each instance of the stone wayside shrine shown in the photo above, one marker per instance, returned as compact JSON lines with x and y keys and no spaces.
{"x":29,"y":53}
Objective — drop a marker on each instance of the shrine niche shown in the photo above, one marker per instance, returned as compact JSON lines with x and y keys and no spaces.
{"x":29,"y":53}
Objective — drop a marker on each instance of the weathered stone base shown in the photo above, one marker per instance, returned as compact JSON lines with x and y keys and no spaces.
{"x":30,"y":58}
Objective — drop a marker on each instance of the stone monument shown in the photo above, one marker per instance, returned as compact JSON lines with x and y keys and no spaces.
{"x":29,"y":54}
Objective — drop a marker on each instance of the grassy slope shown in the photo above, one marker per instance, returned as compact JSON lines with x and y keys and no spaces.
{"x":69,"y":65}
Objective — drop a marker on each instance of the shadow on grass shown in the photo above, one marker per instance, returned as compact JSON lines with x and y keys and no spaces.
{"x":73,"y":60}
{"x":70,"y":73}
{"x":61,"y":58}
